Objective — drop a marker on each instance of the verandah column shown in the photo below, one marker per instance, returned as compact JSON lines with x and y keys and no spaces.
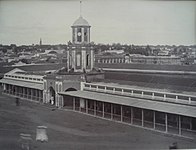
{"x":31,"y":94}
{"x":111,"y":111}
{"x":154,"y":120}
{"x":166,"y":127}
{"x":23,"y":91}
{"x":131,"y":115}
{"x":103,"y":110}
{"x":74,"y":105}
{"x":86,"y":105}
{"x":94,"y":107}
{"x":36,"y":94}
{"x":142,"y":117}
{"x":121,"y":113}
{"x":179,"y":122}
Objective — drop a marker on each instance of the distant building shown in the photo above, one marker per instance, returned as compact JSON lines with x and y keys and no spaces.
{"x":40,"y":42}
{"x":138,"y":59}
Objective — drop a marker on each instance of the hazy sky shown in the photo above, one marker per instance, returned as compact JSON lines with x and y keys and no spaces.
{"x":112,"y":21}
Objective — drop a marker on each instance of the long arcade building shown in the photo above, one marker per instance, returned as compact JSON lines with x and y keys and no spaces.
{"x":153,"y":109}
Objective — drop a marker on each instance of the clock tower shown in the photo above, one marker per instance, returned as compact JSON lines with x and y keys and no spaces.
{"x":80,"y":55}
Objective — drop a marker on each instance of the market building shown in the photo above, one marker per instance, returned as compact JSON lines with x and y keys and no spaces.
{"x":82,"y":88}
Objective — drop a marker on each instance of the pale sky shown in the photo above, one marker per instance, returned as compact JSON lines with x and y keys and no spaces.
{"x":112,"y":21}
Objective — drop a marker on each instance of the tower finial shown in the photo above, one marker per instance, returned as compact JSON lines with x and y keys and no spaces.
{"x":80,"y":8}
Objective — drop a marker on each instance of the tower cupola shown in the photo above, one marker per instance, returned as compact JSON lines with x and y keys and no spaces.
{"x":81,"y":31}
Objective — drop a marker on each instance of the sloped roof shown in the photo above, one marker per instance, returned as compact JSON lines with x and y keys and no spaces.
{"x":15,"y":70}
{"x":80,"y":22}
{"x":179,"y":109}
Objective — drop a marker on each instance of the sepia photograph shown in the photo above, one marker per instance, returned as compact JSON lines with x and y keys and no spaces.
{"x":97,"y":74}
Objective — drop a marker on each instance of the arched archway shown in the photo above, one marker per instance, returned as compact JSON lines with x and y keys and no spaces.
{"x":70,"y":89}
{"x":68,"y":100}
{"x":52,"y":97}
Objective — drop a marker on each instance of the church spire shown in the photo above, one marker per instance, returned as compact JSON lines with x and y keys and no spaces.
{"x":40,"y":42}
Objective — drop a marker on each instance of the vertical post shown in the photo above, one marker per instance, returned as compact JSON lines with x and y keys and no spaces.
{"x":31,"y":94}
{"x":40,"y":95}
{"x":154,"y":120}
{"x":142,"y":117}
{"x":153,"y":95}
{"x":121,"y":113}
{"x":36,"y":94}
{"x":95,"y":108}
{"x":23,"y":91}
{"x":122,"y":92}
{"x":97,"y":88}
{"x":176,"y":97}
{"x":179,"y":122}
{"x":164,"y":97}
{"x":74,"y":103}
{"x":105,"y":89}
{"x":191,"y":127}
{"x":79,"y":104}
{"x":16,"y":90}
{"x":166,"y":127}
{"x":131,"y":92}
{"x":111,"y":111}
{"x":189,"y":100}
{"x":142,"y":93}
{"x":86,"y":105}
{"x":131,"y":115}
{"x":103,"y":110}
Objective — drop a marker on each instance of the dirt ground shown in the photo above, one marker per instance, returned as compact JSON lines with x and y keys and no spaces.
{"x":68,"y":130}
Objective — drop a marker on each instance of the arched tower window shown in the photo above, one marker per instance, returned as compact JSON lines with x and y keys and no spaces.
{"x":79,"y":34}
{"x":85,"y":35}
{"x":87,"y":60}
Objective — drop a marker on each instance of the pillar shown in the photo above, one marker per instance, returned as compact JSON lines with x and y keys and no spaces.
{"x":86,"y":105}
{"x":40,"y":96}
{"x":103,"y":110}
{"x":131,"y":115}
{"x":111,"y":111}
{"x":121,"y":113}
{"x":122,"y":91}
{"x":142,"y":117}
{"x":191,"y":128}
{"x":94,"y":107}
{"x":189,"y":100}
{"x":164,"y":97}
{"x":23,"y":91}
{"x":31,"y":94}
{"x":16,"y":90}
{"x":166,"y":128}
{"x":74,"y":104}
{"x":179,"y":123}
{"x":36,"y":93}
{"x":152,"y":95}
{"x":131,"y":92}
{"x":154,"y":120}
{"x":176,"y":97}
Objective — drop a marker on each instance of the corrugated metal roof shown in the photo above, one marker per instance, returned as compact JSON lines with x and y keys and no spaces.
{"x":179,"y":109}
{"x":33,"y":85}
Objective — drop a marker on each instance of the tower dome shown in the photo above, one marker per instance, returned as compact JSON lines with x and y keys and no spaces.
{"x":80,"y":22}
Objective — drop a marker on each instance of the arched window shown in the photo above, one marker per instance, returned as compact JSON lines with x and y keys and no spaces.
{"x":59,"y":87}
{"x":78,"y":60}
{"x":87,"y":60}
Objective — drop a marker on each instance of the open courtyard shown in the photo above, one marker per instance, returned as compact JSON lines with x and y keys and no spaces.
{"x":69,"y":130}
